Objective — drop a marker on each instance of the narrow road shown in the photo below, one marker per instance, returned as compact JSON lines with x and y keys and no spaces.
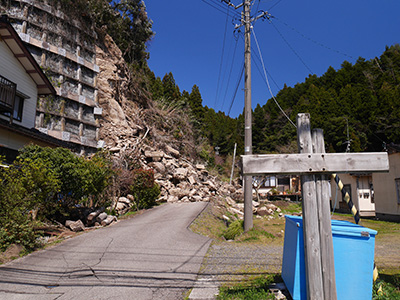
{"x":151,"y":256}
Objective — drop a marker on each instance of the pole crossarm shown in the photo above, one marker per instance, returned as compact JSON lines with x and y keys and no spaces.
{"x":314,"y":163}
{"x":232,"y":5}
{"x":264,"y":15}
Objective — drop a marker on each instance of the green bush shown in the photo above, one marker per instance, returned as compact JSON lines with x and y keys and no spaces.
{"x":386,"y":287}
{"x":25,"y":187}
{"x":14,"y":233}
{"x":144,"y":189}
{"x":235,"y":229}
{"x":78,"y":177}
{"x":46,"y":183}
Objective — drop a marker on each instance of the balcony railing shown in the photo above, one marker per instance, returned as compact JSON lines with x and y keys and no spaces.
{"x":7,"y":94}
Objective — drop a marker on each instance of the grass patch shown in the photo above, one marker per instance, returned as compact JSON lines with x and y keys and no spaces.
{"x":255,"y":289}
{"x":290,"y":207}
{"x":235,"y":229}
{"x":209,"y":223}
{"x":129,"y":214}
{"x":256,"y":234}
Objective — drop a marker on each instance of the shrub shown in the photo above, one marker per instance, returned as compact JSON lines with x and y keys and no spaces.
{"x":14,"y":233}
{"x":78,"y":177}
{"x":47,"y":182}
{"x":144,"y":189}
{"x":25,"y":187}
{"x":234,"y":229}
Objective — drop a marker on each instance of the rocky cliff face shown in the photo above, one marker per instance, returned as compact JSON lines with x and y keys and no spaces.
{"x":120,"y":122}
{"x":126,"y":131}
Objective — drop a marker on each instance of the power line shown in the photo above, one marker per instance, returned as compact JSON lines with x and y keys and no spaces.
{"x":291,"y":48}
{"x":237,"y":87}
{"x":230,"y":73}
{"x":314,"y":41}
{"x":275,"y":5}
{"x":222,"y":57}
{"x":258,"y":68}
{"x":261,"y":73}
{"x":220,"y":8}
{"x":266,"y":78}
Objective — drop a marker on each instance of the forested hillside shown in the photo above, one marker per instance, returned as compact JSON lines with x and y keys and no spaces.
{"x":363,"y":98}
{"x":365,"y":95}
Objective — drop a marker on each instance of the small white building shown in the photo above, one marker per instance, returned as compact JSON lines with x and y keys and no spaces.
{"x":21,"y":82}
{"x":373,"y":194}
{"x":361,"y":190}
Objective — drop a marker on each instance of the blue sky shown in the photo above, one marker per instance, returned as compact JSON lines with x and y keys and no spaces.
{"x":303,"y":37}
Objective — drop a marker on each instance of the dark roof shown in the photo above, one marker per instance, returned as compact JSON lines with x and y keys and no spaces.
{"x":393,"y":148}
{"x":16,"y":45}
{"x":36,"y":135}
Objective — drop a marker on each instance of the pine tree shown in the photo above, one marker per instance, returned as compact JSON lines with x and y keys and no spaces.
{"x":195,"y":103}
{"x":171,"y":90}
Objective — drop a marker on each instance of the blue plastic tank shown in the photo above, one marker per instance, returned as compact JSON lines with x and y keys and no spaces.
{"x":353,"y":247}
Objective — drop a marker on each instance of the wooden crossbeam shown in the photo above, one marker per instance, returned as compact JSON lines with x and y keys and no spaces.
{"x":314,"y":163}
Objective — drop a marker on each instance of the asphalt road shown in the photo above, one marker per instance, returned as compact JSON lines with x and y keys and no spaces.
{"x":151,"y":256}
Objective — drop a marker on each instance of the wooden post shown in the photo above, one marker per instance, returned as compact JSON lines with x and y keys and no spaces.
{"x":315,"y":165}
{"x":312,"y":250}
{"x":324,"y":220}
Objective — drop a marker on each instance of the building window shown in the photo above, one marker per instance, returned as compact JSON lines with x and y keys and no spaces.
{"x":7,"y":94}
{"x":397,"y":181}
{"x":18,"y":107}
{"x":270,"y":181}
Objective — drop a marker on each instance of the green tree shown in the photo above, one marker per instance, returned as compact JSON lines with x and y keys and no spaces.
{"x":195,"y":103}
{"x":171,"y":90}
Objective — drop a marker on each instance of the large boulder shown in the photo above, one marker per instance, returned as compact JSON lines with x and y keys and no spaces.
{"x":159,"y":167}
{"x":172,"y":151}
{"x":264,"y":211}
{"x":75,"y":226}
{"x":180,"y":174}
{"x":154,"y":155}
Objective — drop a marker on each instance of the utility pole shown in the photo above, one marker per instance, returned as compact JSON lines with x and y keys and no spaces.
{"x":248,"y":184}
{"x":233,"y":164}
{"x":247,"y":180}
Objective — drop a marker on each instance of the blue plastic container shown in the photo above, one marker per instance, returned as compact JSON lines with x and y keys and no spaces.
{"x":353,"y":247}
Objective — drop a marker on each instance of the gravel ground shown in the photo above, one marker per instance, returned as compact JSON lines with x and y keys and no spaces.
{"x":232,"y":262}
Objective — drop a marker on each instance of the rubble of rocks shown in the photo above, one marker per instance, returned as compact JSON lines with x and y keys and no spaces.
{"x":182,"y":181}
{"x":95,"y":218}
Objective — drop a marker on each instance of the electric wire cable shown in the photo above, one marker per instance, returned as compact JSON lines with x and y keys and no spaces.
{"x":230,"y":74}
{"x":291,"y":48}
{"x":223,"y":5}
{"x":222,"y":57}
{"x":274,"y":5}
{"x":237,"y":87}
{"x":258,"y":67}
{"x":256,"y":63}
{"x":266,"y":78}
{"x":312,"y":40}
{"x":220,"y":8}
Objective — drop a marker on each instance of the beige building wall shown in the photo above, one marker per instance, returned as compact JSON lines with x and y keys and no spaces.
{"x":16,"y":141}
{"x":336,"y":194}
{"x":386,"y":197}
